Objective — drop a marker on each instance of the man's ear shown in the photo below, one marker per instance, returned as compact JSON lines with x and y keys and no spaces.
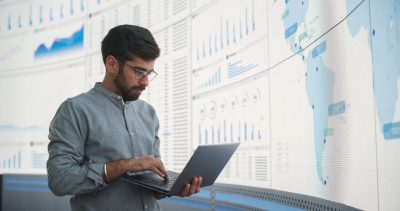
{"x":112,"y":66}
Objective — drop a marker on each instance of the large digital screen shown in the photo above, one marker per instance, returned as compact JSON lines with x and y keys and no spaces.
{"x":308,"y":88}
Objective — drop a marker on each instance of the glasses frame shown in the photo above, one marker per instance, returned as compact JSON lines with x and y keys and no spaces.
{"x":141,"y":72}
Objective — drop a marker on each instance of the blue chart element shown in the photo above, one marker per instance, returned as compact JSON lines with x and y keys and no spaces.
{"x":319,"y":49}
{"x":61,"y":11}
{"x":231,"y":132}
{"x":9,"y":23}
{"x":391,"y":131}
{"x":75,"y":42}
{"x":239,"y":132}
{"x":243,"y":133}
{"x":252,"y":132}
{"x":51,"y":15}
{"x":71,"y":11}
{"x":229,"y":32}
{"x":199,"y":134}
{"x":235,"y":68}
{"x":215,"y":79}
{"x":225,"y":131}
{"x":82,"y":6}
{"x":337,"y":108}
{"x":291,"y":30}
{"x":19,"y":22}
{"x":253,"y":23}
{"x":13,"y":162}
{"x":212,"y":134}
{"x":40,"y":14}
{"x":219,"y":135}
{"x":39,"y":160}
{"x":30,"y":16}
{"x":206,"y":136}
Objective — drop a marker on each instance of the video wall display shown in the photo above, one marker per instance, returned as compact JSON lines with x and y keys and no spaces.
{"x":308,"y":88}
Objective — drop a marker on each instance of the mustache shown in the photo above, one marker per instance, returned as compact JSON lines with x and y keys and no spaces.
{"x":141,"y":88}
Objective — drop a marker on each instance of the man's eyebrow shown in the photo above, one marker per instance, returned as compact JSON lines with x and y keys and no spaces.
{"x":141,"y":68}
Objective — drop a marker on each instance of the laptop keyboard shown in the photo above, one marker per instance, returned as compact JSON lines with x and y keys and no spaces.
{"x":153,"y":180}
{"x":166,"y":184}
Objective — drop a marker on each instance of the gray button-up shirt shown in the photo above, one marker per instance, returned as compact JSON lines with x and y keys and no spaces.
{"x":91,"y":129}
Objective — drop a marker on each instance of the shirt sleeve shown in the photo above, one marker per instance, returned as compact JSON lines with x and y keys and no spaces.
{"x":69,"y":173}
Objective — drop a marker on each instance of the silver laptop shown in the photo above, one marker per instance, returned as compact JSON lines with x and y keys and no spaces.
{"x":207,"y":161}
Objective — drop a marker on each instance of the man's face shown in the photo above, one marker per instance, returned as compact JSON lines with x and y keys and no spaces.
{"x":129,"y":83}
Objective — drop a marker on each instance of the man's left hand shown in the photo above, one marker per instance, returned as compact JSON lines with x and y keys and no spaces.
{"x":192,"y":188}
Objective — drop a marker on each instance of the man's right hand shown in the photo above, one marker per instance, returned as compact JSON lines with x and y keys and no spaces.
{"x":149,"y":163}
{"x":116,"y":168}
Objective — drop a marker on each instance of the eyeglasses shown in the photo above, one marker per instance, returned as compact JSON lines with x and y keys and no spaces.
{"x":141,"y":72}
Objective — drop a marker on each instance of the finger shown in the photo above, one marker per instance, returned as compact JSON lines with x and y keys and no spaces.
{"x":164,"y":172}
{"x":199,"y":184}
{"x":161,"y":168}
{"x":185,"y":190}
{"x":193,"y":185}
{"x":166,"y":178}
{"x":157,"y":171}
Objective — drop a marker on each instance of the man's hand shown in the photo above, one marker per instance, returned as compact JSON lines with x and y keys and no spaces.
{"x":117,"y":168}
{"x":148,"y":163}
{"x":192,"y":188}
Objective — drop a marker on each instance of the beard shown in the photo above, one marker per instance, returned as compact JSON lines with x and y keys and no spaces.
{"x":126,"y":92}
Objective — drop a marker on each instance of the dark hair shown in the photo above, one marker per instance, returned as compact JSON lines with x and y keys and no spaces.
{"x":125,"y":42}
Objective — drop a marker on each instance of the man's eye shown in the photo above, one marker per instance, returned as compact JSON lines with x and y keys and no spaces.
{"x":142,"y":72}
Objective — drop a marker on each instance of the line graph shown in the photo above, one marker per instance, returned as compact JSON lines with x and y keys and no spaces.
{"x":61,"y":45}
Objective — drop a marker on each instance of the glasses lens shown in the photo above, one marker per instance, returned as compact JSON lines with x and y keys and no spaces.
{"x":141,"y":73}
{"x":152,"y":75}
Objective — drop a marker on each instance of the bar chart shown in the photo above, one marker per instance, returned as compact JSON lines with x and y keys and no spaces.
{"x":12,"y":162}
{"x":232,"y":27}
{"x":231,"y":69}
{"x":233,"y":47}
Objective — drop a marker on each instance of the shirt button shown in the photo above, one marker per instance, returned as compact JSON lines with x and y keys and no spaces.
{"x":132,"y":134}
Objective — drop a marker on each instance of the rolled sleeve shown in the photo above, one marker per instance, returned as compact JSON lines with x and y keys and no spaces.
{"x":95,"y":172}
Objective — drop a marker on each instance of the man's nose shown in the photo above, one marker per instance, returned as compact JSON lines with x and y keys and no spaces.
{"x":144,"y":81}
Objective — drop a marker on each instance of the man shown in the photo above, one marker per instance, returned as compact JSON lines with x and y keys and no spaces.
{"x":99,"y":135}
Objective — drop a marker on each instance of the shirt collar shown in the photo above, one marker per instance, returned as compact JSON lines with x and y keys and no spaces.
{"x":111,"y":95}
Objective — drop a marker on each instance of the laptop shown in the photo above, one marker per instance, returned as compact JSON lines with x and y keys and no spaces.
{"x":207,"y":161}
